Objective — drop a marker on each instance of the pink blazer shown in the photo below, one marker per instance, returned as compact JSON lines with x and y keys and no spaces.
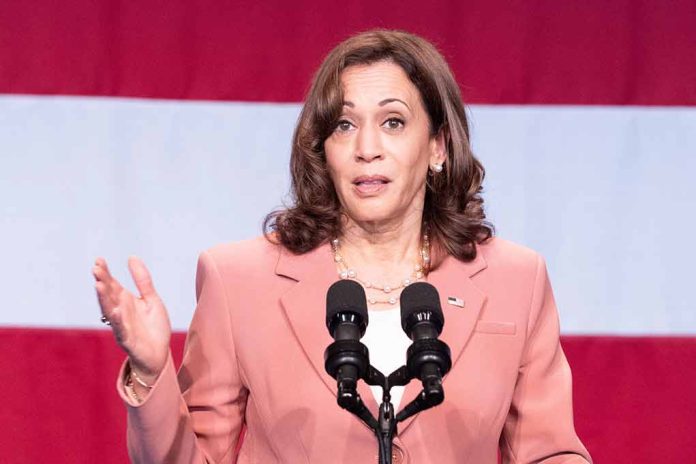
{"x":254,"y":357}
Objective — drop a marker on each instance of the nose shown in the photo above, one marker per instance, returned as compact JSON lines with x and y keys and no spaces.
{"x":369,"y":145}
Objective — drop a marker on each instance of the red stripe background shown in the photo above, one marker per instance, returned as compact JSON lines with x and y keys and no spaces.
{"x":623,"y":52}
{"x":633,"y":396}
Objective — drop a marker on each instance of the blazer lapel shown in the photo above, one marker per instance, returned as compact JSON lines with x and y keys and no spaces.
{"x":305,"y":307}
{"x":305,"y":303}
{"x":452,"y":279}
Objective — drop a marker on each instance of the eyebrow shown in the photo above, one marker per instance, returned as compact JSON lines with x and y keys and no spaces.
{"x":386,"y":101}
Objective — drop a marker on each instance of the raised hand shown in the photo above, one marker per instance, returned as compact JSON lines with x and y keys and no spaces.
{"x":139,"y":323}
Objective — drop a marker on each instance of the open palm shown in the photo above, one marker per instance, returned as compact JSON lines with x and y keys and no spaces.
{"x":139,"y":323}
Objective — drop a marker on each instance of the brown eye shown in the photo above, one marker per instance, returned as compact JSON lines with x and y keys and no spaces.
{"x":343,"y":126}
{"x":394,"y":123}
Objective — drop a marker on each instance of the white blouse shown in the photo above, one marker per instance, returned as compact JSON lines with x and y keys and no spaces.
{"x":387,"y":343}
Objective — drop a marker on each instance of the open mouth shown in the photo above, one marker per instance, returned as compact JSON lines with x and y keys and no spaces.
{"x":370,"y":184}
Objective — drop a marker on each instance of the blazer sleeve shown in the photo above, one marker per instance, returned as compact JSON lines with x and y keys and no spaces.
{"x":197,"y":417}
{"x":539,"y":427}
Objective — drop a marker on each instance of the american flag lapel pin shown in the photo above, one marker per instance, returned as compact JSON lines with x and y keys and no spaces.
{"x":453,"y":300}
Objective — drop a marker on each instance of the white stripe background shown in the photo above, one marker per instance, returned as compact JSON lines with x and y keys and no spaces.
{"x":606,"y":194}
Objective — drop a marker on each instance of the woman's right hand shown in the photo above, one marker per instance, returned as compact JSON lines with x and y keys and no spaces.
{"x":139,"y":323}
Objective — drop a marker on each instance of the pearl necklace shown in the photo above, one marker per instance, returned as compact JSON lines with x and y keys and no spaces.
{"x":419,"y":271}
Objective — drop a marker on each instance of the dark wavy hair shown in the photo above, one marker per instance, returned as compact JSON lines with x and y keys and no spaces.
{"x":453,"y":205}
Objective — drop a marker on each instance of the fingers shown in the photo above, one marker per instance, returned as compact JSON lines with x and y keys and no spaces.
{"x":110,"y":293}
{"x":115,"y":318}
{"x":106,"y":286}
{"x":101,"y":273}
{"x":141,"y":277}
{"x":105,"y":301}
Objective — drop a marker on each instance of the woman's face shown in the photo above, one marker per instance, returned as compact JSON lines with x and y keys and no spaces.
{"x":380,"y":150}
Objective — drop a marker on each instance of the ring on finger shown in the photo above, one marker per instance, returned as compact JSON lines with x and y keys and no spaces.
{"x":105,"y":320}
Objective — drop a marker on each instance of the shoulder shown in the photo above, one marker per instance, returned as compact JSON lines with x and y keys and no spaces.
{"x":250,"y":257}
{"x":503,"y":257}
{"x":514,"y":279}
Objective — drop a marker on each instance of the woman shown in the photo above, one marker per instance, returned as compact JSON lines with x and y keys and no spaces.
{"x":386,"y":192}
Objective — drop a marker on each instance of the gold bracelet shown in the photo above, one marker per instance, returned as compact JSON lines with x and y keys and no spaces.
{"x":131,"y":391}
{"x":140,"y":381}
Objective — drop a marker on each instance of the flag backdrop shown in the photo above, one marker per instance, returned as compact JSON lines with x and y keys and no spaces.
{"x":160,"y":128}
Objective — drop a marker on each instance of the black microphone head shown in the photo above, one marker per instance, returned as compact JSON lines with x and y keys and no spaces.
{"x":346,"y":297}
{"x":420,"y":302}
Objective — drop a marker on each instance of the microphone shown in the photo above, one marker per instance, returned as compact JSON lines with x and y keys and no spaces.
{"x":427,"y":358}
{"x":346,"y":359}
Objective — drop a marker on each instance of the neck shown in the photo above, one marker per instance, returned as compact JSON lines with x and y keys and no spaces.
{"x":383,"y":251}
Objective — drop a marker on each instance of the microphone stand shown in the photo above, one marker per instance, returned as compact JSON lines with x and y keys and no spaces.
{"x":347,"y":360}
{"x":385,"y":426}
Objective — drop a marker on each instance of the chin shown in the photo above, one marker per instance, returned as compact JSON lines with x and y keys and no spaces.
{"x":371,"y":213}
